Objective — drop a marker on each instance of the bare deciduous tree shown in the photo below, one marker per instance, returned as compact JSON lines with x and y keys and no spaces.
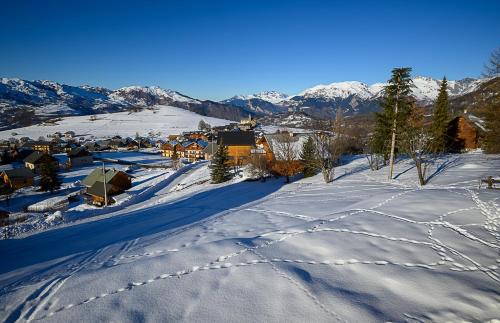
{"x":492,"y":67}
{"x":258,"y":166}
{"x":330,"y":144}
{"x":287,"y":156}
{"x":416,"y":142}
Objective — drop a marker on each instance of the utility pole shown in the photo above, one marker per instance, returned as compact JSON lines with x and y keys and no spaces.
{"x":104,"y":181}
{"x":393,"y":142}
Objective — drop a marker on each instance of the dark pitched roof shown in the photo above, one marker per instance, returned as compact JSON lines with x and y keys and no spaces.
{"x":37,"y":143}
{"x":98,"y":189}
{"x":19,"y":173}
{"x":78,"y":152}
{"x":35,"y":157}
{"x":236,"y":138}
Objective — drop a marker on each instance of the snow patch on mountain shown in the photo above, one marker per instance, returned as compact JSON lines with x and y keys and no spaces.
{"x":341,"y":90}
{"x":269,"y":96}
{"x":154,"y":91}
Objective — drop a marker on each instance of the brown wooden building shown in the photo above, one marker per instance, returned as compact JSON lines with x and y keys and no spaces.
{"x":18,"y":177}
{"x":35,"y":159}
{"x":115,"y":182}
{"x":239,"y":145}
{"x":464,"y":133}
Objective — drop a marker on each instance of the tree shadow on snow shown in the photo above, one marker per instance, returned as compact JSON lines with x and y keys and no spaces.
{"x":89,"y":238}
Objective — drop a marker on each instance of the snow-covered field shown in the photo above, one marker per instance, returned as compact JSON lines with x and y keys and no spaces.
{"x":360,"y":249}
{"x":164,"y":119}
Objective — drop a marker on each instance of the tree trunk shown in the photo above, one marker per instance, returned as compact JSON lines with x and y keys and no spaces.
{"x":421,"y":176}
{"x":287,"y":179}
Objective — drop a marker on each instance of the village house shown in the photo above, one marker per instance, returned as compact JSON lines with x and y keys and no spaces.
{"x":230,"y":127}
{"x":195,"y":135}
{"x":67,"y":146}
{"x":193,"y":150}
{"x":42,"y":146}
{"x":247,"y":124}
{"x":35,"y":159}
{"x":6,"y":145}
{"x":264,"y":148}
{"x":18,"y":177}
{"x":79,"y":157}
{"x":113,"y":180}
{"x":167,"y":149}
{"x":173,"y":137}
{"x":69,"y":134}
{"x":239,"y":145}
{"x":117,"y":143}
{"x":464,"y":133}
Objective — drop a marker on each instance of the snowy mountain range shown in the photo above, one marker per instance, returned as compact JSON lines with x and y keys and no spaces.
{"x":23,"y":103}
{"x":26,"y":102}
{"x":352,"y":96}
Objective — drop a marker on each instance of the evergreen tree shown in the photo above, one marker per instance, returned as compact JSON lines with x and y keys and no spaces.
{"x":398,"y":92}
{"x":308,"y":157}
{"x":220,"y":165}
{"x":492,"y":133}
{"x":175,"y":158}
{"x":440,"y":119}
{"x":49,"y":180}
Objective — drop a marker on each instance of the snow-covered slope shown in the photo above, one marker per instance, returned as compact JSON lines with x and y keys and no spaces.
{"x":27,"y":102}
{"x":145,"y":96}
{"x":360,"y":249}
{"x":164,"y":119}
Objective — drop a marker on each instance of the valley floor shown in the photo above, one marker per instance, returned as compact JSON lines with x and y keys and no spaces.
{"x":359,"y":249}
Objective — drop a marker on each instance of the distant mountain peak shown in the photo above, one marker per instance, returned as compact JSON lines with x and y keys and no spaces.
{"x":270,"y":96}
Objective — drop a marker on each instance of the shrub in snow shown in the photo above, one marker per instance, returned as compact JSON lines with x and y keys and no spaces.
{"x":56,"y":216}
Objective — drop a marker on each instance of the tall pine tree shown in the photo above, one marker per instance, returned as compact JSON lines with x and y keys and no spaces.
{"x":49,"y":180}
{"x":397,"y":92}
{"x":175,"y":158}
{"x":492,"y":133}
{"x":309,"y":158}
{"x":440,"y":119}
{"x":220,"y":165}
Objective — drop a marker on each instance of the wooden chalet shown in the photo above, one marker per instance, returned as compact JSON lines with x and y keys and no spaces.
{"x":464,"y":133}
{"x":239,"y":145}
{"x":79,"y":157}
{"x":111,"y":181}
{"x":42,"y":146}
{"x":35,"y":159}
{"x":193,"y":150}
{"x":18,"y":177}
{"x":264,"y":148}
{"x":167,"y":149}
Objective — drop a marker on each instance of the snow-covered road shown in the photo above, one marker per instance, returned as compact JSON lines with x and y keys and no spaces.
{"x":358,"y":249}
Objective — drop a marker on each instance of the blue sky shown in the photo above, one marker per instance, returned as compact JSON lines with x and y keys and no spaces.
{"x":215,"y":49}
